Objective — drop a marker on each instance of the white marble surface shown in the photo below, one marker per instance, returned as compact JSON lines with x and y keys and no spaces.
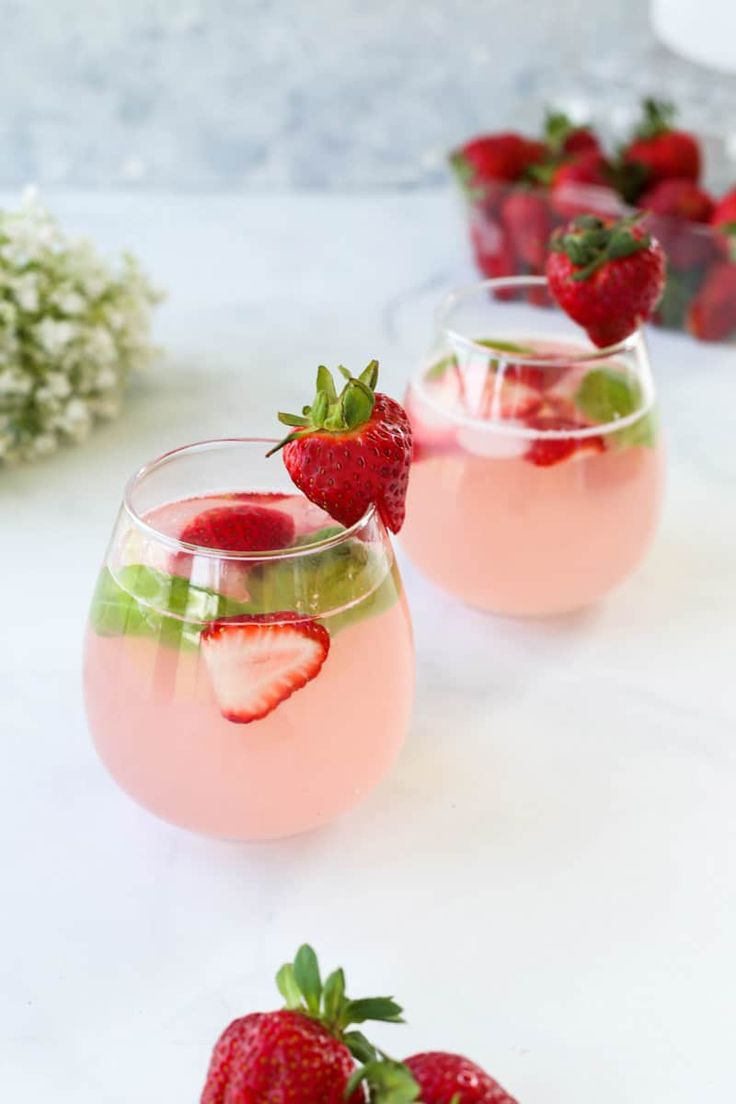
{"x":547,"y":879}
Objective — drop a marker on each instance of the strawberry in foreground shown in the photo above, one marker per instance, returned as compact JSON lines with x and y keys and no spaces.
{"x":546,"y":451}
{"x":256,"y":662}
{"x":607,"y":275}
{"x":349,"y":451}
{"x":303,"y":1054}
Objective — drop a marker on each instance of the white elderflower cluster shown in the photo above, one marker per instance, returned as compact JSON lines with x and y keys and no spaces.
{"x":72,"y":329}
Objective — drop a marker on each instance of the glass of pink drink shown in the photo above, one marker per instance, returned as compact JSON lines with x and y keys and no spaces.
{"x":537,"y":475}
{"x":245,"y":694}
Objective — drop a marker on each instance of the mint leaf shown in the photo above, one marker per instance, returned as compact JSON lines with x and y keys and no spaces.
{"x":505,"y":346}
{"x":642,"y":432}
{"x":438,"y":369}
{"x":318,"y":535}
{"x":606,"y":395}
{"x":350,"y":578}
{"x":141,"y":601}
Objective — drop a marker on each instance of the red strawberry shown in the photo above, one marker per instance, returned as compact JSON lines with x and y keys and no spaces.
{"x":659,"y":150}
{"x":240,"y":528}
{"x":278,"y":1056}
{"x":493,"y":253}
{"x":451,"y":1079}
{"x":607,"y":275}
{"x":301,"y":1055}
{"x":544,"y":451}
{"x":565,"y":138}
{"x":495,"y":157}
{"x":724,"y":213}
{"x":712,"y":314}
{"x":492,"y":248}
{"x":352,"y":450}
{"x":588,"y":168}
{"x":525,"y":217}
{"x":570,"y":181}
{"x":540,"y":377}
{"x":724,"y":219}
{"x":256,"y":662}
{"x":509,"y":394}
{"x":679,"y":197}
{"x":674,"y":204}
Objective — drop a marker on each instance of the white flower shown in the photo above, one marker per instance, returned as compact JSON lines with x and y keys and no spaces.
{"x":72,"y":329}
{"x":68,"y":302}
{"x":14,"y":382}
{"x":54,"y":335}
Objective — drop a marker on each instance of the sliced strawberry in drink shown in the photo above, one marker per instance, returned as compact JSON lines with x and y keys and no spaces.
{"x":544,"y":451}
{"x":240,"y":528}
{"x":505,"y":396}
{"x":539,"y":376}
{"x":256,"y":662}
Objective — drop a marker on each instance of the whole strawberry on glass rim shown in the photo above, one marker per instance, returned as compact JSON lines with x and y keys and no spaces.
{"x":608,"y":275}
{"x":350,"y":450}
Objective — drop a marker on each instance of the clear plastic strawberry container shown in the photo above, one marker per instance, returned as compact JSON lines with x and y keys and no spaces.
{"x":510,"y":225}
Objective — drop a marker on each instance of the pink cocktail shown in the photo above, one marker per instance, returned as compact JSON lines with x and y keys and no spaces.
{"x":538,"y":467}
{"x":245,"y":694}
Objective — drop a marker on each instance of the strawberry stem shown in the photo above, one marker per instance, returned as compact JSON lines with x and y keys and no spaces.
{"x":332,"y":412}
{"x":591,"y":242}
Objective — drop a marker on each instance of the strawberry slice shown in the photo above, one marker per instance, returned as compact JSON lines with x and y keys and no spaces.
{"x":240,"y":528}
{"x":509,"y":397}
{"x":546,"y":451}
{"x":257,"y":662}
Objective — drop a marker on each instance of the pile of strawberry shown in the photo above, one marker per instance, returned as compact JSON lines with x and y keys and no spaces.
{"x":312,"y":1052}
{"x":522,"y":189}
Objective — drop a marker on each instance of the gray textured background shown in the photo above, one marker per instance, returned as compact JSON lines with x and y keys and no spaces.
{"x":231,"y":94}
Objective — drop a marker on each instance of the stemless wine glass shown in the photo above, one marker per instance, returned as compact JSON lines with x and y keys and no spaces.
{"x":247,"y":695}
{"x":538,"y":469}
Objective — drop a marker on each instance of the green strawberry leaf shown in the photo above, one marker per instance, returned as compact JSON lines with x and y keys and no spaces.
{"x":383,"y":1009}
{"x":333,"y":995}
{"x":361,"y":1049}
{"x":288,"y":988}
{"x":388,"y":1082}
{"x":306,"y":975}
{"x":331,"y":412}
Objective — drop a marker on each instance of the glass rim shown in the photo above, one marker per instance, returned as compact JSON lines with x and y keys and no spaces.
{"x":496,"y":283}
{"x":633,"y":343}
{"x":209,"y":445}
